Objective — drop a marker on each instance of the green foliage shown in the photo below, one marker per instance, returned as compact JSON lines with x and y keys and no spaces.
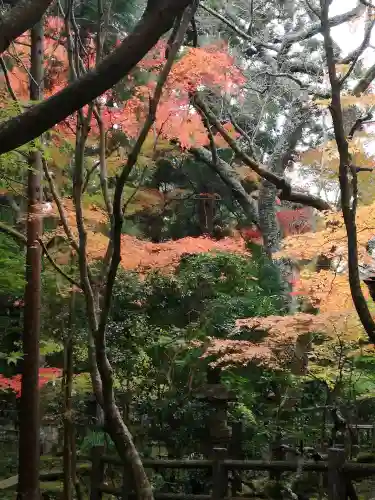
{"x":12,"y":267}
{"x":153,"y":322}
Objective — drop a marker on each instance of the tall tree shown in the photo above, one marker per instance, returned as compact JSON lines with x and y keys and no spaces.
{"x":28,"y":486}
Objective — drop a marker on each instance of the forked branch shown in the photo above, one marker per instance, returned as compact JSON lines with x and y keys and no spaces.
{"x":286,"y":192}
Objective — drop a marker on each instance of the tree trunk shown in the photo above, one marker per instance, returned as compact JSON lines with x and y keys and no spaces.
{"x":267,"y":193}
{"x":229,"y":177}
{"x":69,"y":448}
{"x":29,"y":450}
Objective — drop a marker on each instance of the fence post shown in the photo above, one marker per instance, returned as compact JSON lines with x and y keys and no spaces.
{"x":219,"y":474}
{"x":97,"y":472}
{"x":236,"y":452}
{"x":336,"y":480}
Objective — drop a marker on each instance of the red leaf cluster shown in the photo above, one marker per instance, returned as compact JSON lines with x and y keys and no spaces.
{"x":14,"y":383}
{"x":207,"y":67}
{"x":295,"y":221}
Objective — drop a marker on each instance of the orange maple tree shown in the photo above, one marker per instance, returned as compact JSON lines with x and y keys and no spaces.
{"x":210,"y":66}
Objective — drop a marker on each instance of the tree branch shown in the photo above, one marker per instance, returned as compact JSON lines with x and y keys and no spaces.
{"x":348,"y":208}
{"x":228,"y":176}
{"x":357,"y":53}
{"x":60,"y":207}
{"x":54,"y":264}
{"x":236,"y":29}
{"x":282,"y":184}
{"x":41,"y":117}
{"x":119,"y":431}
{"x":316,"y":28}
{"x":23,"y":16}
{"x":20,"y":238}
{"x":16,"y":235}
{"x":365,"y":82}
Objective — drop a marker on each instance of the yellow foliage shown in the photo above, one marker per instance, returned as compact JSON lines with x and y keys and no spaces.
{"x":332,"y":241}
{"x":350,"y":100}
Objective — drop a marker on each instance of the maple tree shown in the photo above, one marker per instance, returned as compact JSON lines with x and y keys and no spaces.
{"x":165,"y":119}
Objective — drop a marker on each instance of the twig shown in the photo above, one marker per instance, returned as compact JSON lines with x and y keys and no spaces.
{"x":358,"y":123}
{"x":235,"y":28}
{"x":7,"y":81}
{"x":243,"y":134}
{"x":60,"y":207}
{"x":135,"y":191}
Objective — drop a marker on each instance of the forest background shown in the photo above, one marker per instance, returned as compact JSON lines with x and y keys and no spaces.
{"x":189,"y":188}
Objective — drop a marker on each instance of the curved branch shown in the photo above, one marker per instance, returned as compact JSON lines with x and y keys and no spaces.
{"x":316,"y":28}
{"x":13,"y":233}
{"x":347,"y":191}
{"x":20,"y":238}
{"x":41,"y":117}
{"x":282,"y":184}
{"x":19,"y":19}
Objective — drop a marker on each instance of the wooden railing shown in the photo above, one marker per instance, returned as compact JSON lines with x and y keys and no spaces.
{"x":338,"y":471}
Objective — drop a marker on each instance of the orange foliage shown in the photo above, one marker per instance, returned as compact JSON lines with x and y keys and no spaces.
{"x":210,"y":66}
{"x":144,"y":256}
{"x":332,"y":241}
{"x":327,"y":291}
{"x":276,"y":348}
{"x":140,"y":255}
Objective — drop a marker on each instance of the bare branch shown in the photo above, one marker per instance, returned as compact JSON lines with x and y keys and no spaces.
{"x":316,"y":28}
{"x":207,"y":125}
{"x":7,"y":81}
{"x":60,"y":207}
{"x":54,"y":264}
{"x":365,"y":82}
{"x":236,"y":29}
{"x":230,"y":179}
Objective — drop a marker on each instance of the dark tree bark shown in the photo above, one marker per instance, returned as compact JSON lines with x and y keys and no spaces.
{"x":41,"y":117}
{"x":28,"y":467}
{"x":19,"y":19}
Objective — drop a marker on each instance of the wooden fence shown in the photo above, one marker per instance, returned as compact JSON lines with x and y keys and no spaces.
{"x":338,"y":471}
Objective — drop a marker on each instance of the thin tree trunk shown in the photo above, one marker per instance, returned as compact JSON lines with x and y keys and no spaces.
{"x":29,"y":439}
{"x":69,"y":448}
